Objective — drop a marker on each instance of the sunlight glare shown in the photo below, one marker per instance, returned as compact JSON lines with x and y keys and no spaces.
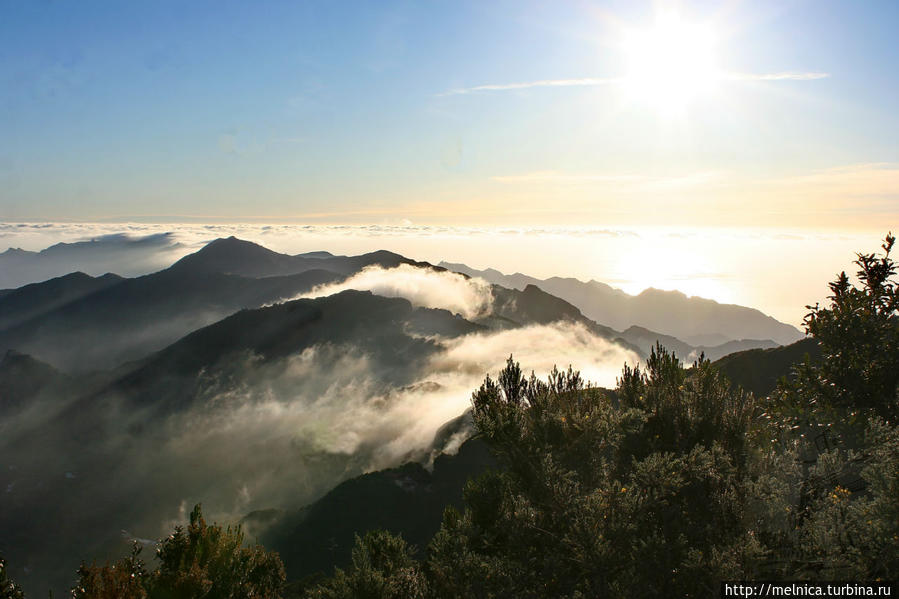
{"x":671,"y":64}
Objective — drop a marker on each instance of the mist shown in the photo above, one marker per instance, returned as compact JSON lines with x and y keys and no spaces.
{"x":424,"y":287}
{"x":260,"y":433}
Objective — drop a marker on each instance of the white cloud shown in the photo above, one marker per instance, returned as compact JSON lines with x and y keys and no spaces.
{"x":424,"y":287}
{"x":580,"y":82}
{"x":602,"y":81}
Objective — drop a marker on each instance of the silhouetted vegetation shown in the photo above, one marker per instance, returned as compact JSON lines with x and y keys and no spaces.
{"x":199,"y":561}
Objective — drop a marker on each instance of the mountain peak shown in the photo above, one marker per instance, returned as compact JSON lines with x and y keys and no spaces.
{"x":231,"y":255}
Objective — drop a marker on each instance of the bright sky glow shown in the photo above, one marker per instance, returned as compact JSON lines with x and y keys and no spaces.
{"x":671,"y":63}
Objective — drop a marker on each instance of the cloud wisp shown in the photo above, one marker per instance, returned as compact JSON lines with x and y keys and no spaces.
{"x":493,"y":87}
{"x":604,"y":81}
{"x":424,"y":287}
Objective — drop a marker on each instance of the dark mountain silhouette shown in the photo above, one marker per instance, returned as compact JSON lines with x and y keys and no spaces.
{"x":758,"y":370}
{"x":119,"y":253}
{"x":692,"y":319}
{"x":134,"y":317}
{"x":646,"y":340}
{"x":388,"y":330}
{"x":534,"y":306}
{"x":124,"y":431}
{"x":19,"y":305}
{"x":24,"y":379}
{"x":128,"y":319}
{"x":235,"y":256}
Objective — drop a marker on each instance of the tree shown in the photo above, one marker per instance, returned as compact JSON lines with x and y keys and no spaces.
{"x":858,"y":375}
{"x":199,"y":561}
{"x":640,"y":499}
{"x":125,"y":579}
{"x":382,"y":568}
{"x":837,"y":421}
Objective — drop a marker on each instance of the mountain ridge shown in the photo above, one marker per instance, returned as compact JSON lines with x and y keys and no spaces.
{"x":667,"y":312}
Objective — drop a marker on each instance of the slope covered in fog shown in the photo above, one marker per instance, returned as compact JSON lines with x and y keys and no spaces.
{"x":127,"y":320}
{"x":119,"y":253}
{"x":298,"y":396}
{"x":19,"y":305}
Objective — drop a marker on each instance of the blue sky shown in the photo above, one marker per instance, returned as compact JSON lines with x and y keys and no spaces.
{"x":350,"y":112}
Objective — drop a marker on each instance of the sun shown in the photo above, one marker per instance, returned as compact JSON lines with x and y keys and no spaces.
{"x":670,"y":65}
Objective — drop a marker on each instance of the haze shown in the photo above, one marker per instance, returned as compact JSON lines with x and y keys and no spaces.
{"x":776,"y":270}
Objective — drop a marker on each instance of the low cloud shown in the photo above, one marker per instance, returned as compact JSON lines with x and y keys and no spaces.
{"x":538,"y":348}
{"x":296,"y":427}
{"x":424,"y":287}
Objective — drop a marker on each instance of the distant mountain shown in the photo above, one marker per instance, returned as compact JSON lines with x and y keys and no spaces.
{"x":533,"y":305}
{"x":125,"y":320}
{"x":758,"y":370}
{"x":646,"y":340}
{"x":119,"y":253}
{"x":691,"y":319}
{"x":238,"y":257}
{"x":19,"y":305}
{"x":133,"y":317}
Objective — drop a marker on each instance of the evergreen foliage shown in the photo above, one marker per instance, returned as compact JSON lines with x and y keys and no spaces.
{"x":199,"y":561}
{"x":859,"y":337}
{"x":382,"y":568}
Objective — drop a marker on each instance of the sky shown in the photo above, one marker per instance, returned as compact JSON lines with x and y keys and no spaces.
{"x":711,"y":114}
